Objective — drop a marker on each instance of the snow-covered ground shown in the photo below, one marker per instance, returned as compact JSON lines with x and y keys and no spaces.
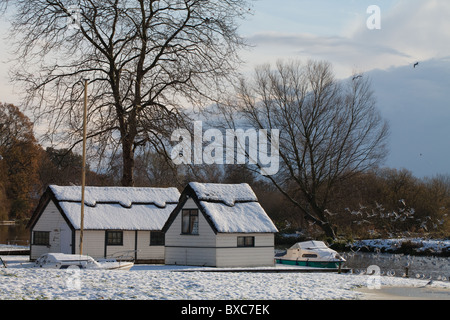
{"x":158,"y":282}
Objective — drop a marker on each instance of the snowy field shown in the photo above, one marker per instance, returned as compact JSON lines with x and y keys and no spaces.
{"x":158,"y":282}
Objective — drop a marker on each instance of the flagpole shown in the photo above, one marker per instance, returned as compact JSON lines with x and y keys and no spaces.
{"x":83,"y":168}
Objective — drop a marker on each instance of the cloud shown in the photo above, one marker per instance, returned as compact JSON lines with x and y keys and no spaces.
{"x":414,"y":100}
{"x":347,"y":53}
{"x":411,"y":31}
{"x":417,"y":28}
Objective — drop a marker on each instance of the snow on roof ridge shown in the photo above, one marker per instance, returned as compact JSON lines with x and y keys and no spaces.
{"x":125,"y":196}
{"x":229,"y":194}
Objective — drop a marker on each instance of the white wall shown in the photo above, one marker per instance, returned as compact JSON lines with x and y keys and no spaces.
{"x":146,"y":251}
{"x":229,"y":255}
{"x":209,"y":249}
{"x":190,"y":249}
{"x":93,"y":243}
{"x":51,"y":221}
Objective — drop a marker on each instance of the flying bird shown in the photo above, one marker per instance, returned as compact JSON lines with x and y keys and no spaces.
{"x":416,"y":65}
{"x":357,"y":77}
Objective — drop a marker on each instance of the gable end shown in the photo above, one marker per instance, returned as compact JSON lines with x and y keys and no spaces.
{"x":43,"y":203}
{"x":188,"y":193}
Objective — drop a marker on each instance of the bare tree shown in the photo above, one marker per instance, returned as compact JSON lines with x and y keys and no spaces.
{"x":329,"y":130}
{"x":145,"y":59}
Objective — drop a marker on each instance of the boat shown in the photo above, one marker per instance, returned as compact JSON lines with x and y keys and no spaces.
{"x":310,"y":254}
{"x":66,"y":261}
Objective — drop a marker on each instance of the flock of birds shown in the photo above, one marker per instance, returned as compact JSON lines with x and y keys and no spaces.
{"x":403,"y":214}
{"x":366,"y":215}
{"x":426,"y":268}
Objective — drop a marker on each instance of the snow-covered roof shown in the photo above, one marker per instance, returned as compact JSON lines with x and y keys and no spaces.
{"x":118,"y":208}
{"x":125,"y":196}
{"x":229,"y":194}
{"x":114,"y":216}
{"x":232,"y":208}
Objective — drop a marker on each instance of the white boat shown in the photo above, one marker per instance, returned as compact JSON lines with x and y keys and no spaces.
{"x":311,"y":254}
{"x":65,"y":261}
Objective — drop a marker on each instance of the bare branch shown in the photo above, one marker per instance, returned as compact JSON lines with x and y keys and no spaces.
{"x":329,"y":130}
{"x":142,"y":57}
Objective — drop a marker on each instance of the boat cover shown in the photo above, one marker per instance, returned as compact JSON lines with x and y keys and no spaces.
{"x":310,"y":245}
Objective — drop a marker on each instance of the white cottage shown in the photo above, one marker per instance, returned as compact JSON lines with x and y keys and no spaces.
{"x":116,"y":219}
{"x":220,"y":226}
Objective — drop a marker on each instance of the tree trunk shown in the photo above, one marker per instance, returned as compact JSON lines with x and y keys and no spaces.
{"x":328,"y":230}
{"x":320,"y":219}
{"x":128,"y":162}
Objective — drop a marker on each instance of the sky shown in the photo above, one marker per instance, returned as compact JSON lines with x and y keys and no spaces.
{"x":414,"y":100}
{"x":411,"y":30}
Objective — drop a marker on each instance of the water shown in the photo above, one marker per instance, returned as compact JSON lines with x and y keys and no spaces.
{"x":16,"y":234}
{"x":400,"y":265}
{"x":436,"y":268}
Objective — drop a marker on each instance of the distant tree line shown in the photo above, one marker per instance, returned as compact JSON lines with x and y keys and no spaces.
{"x":26,"y":168}
{"x":376,"y":203}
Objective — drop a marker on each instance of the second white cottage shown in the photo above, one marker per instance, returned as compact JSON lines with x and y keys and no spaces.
{"x":219,"y":225}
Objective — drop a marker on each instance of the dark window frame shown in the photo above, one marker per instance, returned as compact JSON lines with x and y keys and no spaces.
{"x":114,"y":238}
{"x":246,"y":242}
{"x":157,"y":238}
{"x":41,"y":238}
{"x":190,"y":222}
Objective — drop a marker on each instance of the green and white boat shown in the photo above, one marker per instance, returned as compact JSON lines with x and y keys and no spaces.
{"x":312,"y":253}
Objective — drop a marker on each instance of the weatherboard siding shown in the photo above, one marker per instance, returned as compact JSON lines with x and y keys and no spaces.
{"x":190,"y":256}
{"x":129,"y":243}
{"x":190,"y":249}
{"x":146,"y":251}
{"x":217,"y":250}
{"x":245,"y":257}
{"x":93,"y":243}
{"x":229,"y":255}
{"x":51,"y":221}
{"x":205,"y":237}
{"x":228,"y":240}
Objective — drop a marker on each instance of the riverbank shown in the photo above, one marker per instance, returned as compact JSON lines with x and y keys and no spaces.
{"x":8,"y":250}
{"x":409,"y":246}
{"x":160,"y":282}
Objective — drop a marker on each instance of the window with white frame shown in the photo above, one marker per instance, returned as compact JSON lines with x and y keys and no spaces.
{"x":189,"y":221}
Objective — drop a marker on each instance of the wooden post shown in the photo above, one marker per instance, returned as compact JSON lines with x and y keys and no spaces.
{"x":83,"y":170}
